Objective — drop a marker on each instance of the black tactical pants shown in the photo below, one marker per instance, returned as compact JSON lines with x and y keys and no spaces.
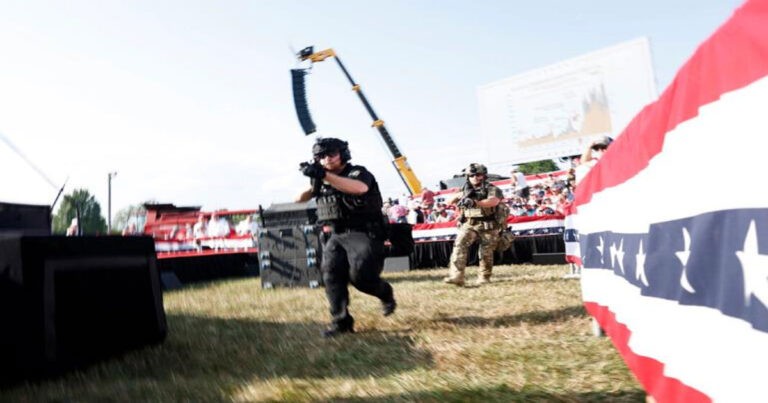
{"x":352,"y":257}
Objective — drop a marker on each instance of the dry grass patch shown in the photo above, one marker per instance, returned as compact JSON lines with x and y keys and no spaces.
{"x":524,"y":337}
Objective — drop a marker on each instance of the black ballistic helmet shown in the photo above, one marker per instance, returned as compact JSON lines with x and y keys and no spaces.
{"x":475,"y":168}
{"x":330,"y":144}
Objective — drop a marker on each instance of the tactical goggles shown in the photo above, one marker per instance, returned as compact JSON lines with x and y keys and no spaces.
{"x":328,"y":153}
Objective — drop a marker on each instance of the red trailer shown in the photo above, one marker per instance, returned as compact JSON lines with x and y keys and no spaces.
{"x":186,"y":253}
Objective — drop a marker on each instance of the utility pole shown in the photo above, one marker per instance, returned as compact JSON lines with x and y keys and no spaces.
{"x":109,"y":201}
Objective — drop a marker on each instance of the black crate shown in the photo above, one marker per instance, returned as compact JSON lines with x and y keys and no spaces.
{"x":290,"y":242}
{"x":291,"y":273}
{"x":289,"y":256}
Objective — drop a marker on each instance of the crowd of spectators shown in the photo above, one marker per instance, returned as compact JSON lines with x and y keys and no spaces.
{"x":217,"y":226}
{"x":550,"y":196}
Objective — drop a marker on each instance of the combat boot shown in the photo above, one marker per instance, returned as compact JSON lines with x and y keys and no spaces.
{"x":455,"y":281}
{"x":336,"y":331}
{"x":388,"y":308}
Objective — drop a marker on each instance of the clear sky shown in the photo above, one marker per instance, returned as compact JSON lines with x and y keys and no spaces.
{"x":190,"y":101}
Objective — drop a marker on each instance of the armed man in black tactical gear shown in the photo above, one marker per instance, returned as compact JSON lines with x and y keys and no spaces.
{"x":349,"y":210}
{"x":478,"y":201}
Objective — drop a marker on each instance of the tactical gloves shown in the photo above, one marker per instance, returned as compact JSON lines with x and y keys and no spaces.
{"x":315,"y":170}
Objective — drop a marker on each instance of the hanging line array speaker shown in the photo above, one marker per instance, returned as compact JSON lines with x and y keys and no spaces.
{"x":300,"y":101}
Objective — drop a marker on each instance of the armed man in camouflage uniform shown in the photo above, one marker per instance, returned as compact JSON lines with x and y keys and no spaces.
{"x":477,"y":201}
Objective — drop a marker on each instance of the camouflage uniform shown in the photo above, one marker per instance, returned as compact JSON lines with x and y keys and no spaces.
{"x":476,"y":223}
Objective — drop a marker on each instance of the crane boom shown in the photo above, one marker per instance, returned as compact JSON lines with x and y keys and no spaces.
{"x":400,"y":162}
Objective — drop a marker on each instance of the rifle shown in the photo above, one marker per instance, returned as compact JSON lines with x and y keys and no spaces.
{"x":316,"y":184}
{"x":467,"y":190}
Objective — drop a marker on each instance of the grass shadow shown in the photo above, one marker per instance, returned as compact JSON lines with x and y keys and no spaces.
{"x":503,"y":393}
{"x":246,"y":349}
{"x":227,"y":353}
{"x":416,"y":278}
{"x":535,"y":317}
{"x":528,"y":279}
{"x":504,"y":278}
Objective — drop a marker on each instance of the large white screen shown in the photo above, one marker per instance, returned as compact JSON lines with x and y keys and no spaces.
{"x":556,"y":110}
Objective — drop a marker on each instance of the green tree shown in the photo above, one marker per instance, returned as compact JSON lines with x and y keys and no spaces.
{"x":91,"y":221}
{"x":537,"y":167}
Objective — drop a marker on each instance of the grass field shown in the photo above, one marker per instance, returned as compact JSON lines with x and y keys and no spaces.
{"x":524,"y":337}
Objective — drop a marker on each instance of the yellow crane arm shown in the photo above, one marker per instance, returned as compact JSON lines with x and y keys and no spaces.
{"x":401,"y":164}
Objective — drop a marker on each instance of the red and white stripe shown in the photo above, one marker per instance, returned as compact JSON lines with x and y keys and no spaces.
{"x":671,"y":162}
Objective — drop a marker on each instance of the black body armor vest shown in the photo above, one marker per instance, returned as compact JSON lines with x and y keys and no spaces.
{"x":346,"y":210}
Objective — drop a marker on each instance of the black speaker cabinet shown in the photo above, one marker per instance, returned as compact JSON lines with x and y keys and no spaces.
{"x":398,"y":264}
{"x":399,"y":240}
{"x":290,"y":256}
{"x":289,"y":214}
{"x":70,"y":301}
{"x":25,"y":219}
